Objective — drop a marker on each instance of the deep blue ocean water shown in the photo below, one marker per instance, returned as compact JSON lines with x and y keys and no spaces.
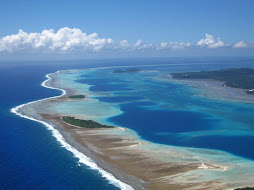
{"x":30,"y":157}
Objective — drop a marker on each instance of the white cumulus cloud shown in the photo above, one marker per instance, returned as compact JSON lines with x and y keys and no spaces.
{"x":74,"y":40}
{"x":48,"y":40}
{"x":173,"y":45}
{"x":240,"y":44}
{"x":211,"y":42}
{"x":163,"y":44}
{"x":124,"y":43}
{"x":140,"y":45}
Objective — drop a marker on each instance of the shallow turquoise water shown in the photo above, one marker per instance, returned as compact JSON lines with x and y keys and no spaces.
{"x":170,"y":113}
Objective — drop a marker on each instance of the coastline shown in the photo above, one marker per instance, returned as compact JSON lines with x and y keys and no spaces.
{"x":130,"y":147}
{"x":215,"y":89}
{"x":59,"y":137}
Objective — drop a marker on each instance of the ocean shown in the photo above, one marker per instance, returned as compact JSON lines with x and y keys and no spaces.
{"x":31,"y":158}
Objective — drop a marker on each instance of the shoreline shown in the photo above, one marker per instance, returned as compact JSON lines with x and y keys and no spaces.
{"x":59,"y":137}
{"x":215,"y":89}
{"x":163,"y":171}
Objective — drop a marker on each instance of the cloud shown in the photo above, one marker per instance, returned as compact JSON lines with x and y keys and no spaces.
{"x":211,"y":42}
{"x":65,"y":39}
{"x":124,"y":43}
{"x":240,"y":44}
{"x":173,"y":45}
{"x":74,"y":40}
{"x":140,"y":45}
{"x":163,"y":44}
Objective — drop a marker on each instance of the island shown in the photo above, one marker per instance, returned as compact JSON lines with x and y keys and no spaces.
{"x":131,"y":70}
{"x":236,"y":78}
{"x":77,"y":97}
{"x":245,"y":188}
{"x":83,"y":123}
{"x":121,"y":152}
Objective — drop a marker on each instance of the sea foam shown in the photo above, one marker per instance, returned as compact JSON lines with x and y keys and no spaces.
{"x":82,"y":158}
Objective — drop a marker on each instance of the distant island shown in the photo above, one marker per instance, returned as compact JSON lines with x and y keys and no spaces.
{"x":83,"y":123}
{"x":245,"y":188}
{"x":77,"y":97}
{"x":131,"y":70}
{"x":236,"y":78}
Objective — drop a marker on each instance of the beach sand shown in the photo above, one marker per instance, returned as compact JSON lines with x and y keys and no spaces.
{"x":141,"y":168}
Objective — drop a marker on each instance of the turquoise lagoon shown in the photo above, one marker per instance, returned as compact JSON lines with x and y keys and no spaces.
{"x":154,"y":108}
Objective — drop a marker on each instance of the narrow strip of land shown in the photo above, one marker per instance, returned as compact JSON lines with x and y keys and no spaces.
{"x":237,"y":78}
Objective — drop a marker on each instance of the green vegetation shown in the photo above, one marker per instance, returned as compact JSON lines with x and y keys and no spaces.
{"x":84,"y":123}
{"x":77,"y":97}
{"x":245,"y":188}
{"x":131,"y":70}
{"x":236,"y":78}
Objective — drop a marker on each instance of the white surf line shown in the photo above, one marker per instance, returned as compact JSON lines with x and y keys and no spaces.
{"x":82,"y":158}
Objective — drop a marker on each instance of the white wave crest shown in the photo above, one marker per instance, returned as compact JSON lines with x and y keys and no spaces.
{"x":82,"y":158}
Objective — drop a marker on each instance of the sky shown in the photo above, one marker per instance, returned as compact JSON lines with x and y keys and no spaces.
{"x":134,"y":28}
